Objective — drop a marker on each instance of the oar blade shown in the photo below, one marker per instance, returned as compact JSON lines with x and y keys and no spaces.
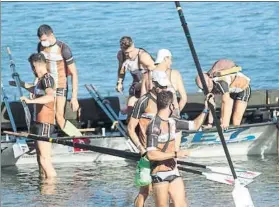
{"x":20,"y":147}
{"x":226,"y":179}
{"x":239,"y":172}
{"x":241,"y":196}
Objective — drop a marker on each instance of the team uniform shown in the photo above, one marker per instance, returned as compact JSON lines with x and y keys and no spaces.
{"x":238,"y":85}
{"x":144,"y":110}
{"x":137,"y":70}
{"x":44,"y":114}
{"x":161,"y":135}
{"x":58,"y":57}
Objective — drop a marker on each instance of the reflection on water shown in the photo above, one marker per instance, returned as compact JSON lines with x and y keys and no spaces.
{"x":111,"y":184}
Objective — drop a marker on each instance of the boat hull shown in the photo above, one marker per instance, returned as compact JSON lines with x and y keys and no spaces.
{"x":259,"y":141}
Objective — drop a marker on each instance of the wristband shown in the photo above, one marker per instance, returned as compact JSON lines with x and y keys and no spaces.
{"x":175,"y":154}
{"x":205,"y":111}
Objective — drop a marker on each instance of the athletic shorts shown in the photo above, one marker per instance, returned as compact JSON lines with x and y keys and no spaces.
{"x":242,"y":96}
{"x":135,"y":89}
{"x":61,"y":92}
{"x":42,"y":129}
{"x":167,"y":176}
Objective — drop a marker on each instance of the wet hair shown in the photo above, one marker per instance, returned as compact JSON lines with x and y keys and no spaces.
{"x":164,"y":99}
{"x":126,"y":42}
{"x":44,"y":29}
{"x":37,"y":57}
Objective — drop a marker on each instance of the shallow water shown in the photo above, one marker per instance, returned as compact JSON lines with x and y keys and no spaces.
{"x":111,"y":184}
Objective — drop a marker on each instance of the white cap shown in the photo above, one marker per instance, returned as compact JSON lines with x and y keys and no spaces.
{"x":161,"y":78}
{"x":161,"y":55}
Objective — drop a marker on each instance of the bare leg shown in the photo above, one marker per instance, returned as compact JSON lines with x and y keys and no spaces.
{"x":142,"y":196}
{"x":239,"y":109}
{"x":160,"y":192}
{"x":44,"y":149}
{"x":60,"y":110}
{"x":177,"y":193}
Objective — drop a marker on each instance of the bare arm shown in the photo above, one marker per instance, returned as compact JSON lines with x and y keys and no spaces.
{"x":49,"y":97}
{"x":73,"y":71}
{"x":132,"y":133}
{"x":148,"y":63}
{"x":226,"y":109}
{"x":182,"y":91}
{"x":27,"y":86}
{"x":121,"y":70}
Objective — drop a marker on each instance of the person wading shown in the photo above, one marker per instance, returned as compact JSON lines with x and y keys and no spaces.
{"x":145,"y":109}
{"x":44,"y":111}
{"x":162,"y":153}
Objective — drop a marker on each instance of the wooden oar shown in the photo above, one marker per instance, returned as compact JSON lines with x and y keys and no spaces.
{"x":221,"y":178}
{"x":240,"y":194}
{"x":15,"y":76}
{"x":223,"y":170}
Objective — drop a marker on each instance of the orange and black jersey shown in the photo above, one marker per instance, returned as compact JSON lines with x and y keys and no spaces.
{"x":144,"y":110}
{"x":145,"y":105}
{"x":44,"y":113}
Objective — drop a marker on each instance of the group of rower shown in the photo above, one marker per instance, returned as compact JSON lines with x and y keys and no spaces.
{"x":154,"y":113}
{"x":154,"y":123}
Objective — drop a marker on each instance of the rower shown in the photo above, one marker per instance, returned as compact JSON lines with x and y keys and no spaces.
{"x":144,"y":110}
{"x":60,"y":63}
{"x":137,"y":61}
{"x":162,"y":153}
{"x":225,"y":78}
{"x":44,"y":108}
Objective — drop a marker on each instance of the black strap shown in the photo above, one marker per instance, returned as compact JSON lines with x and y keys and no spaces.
{"x":167,"y":143}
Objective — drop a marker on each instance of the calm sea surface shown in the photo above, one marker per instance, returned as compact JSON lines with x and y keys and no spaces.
{"x":246,"y":32}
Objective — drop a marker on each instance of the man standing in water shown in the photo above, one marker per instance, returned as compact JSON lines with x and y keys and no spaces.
{"x":137,"y":61}
{"x":60,"y":63}
{"x":145,"y":109}
{"x":162,"y":152}
{"x":44,"y":108}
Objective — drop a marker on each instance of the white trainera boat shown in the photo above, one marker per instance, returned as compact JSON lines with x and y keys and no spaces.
{"x":255,"y":139}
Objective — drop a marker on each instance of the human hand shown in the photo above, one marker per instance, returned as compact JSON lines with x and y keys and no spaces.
{"x":119,"y":87}
{"x":25,"y":99}
{"x":209,"y":99}
{"x":74,"y":104}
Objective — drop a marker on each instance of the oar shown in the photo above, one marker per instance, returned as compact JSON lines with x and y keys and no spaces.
{"x":223,"y":170}
{"x":110,"y":109}
{"x":241,"y":194}
{"x":131,"y":145}
{"x":226,"y":179}
{"x":20,"y":147}
{"x":104,"y":150}
{"x":15,"y":76}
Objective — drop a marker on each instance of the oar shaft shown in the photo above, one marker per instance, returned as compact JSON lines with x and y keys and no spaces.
{"x":109,"y":108}
{"x":189,"y":170}
{"x":205,"y":89}
{"x":190,"y":164}
{"x":7,"y":104}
